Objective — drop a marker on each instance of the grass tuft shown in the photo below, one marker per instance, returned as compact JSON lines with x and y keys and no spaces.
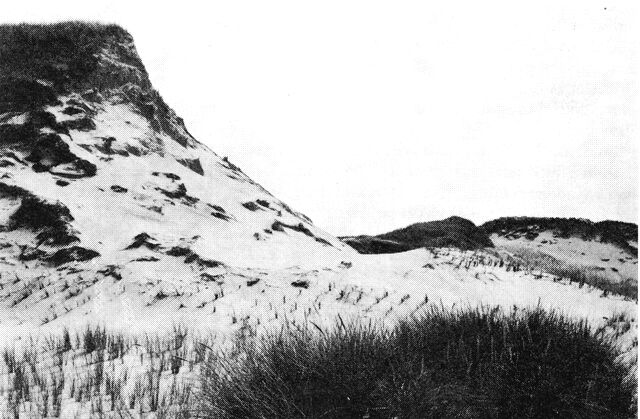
{"x":468,"y":363}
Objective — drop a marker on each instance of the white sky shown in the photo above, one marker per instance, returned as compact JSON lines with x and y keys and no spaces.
{"x":368,"y":116}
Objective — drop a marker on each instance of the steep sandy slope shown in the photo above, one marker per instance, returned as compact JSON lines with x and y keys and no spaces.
{"x":100,"y":182}
{"x":103,"y":161}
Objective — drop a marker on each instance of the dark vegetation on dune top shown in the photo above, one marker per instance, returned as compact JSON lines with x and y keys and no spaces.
{"x":463,"y":234}
{"x":614,"y":232}
{"x":463,"y":364}
{"x":451,"y":232}
{"x":41,"y":62}
{"x":38,"y":61}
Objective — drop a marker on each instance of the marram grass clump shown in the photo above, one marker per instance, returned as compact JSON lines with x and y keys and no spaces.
{"x":472,"y":363}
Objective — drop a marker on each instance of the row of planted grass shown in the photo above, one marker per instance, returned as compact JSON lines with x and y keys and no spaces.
{"x":580,"y":274}
{"x":471,"y":363}
{"x":627,"y":288}
{"x":92,"y":373}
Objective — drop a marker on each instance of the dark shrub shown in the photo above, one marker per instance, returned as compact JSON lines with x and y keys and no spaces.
{"x":218,"y":208}
{"x":451,"y":232}
{"x":83,"y":168}
{"x":180,"y":192}
{"x":301,"y":283}
{"x":52,"y":149}
{"x":35,"y":214}
{"x":472,"y":364}
{"x":277,"y":226}
{"x":374,"y":245}
{"x":263,"y":202}
{"x":118,"y":189}
{"x":300,"y":227}
{"x":193,"y":164}
{"x":172,"y":176}
{"x":59,"y":53}
{"x":17,"y":134}
{"x":72,"y":110}
{"x":30,"y":253}
{"x":41,"y":118}
{"x":72,"y":254}
{"x":81,"y":124}
{"x":251,"y":206}
{"x":18,"y":95}
{"x":221,"y":216}
{"x":179,"y":251}
{"x":143,"y":239}
{"x":208,"y":263}
{"x":50,"y":219}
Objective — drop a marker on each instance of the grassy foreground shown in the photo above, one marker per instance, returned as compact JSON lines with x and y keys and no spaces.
{"x":469,"y":364}
{"x":472,"y":363}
